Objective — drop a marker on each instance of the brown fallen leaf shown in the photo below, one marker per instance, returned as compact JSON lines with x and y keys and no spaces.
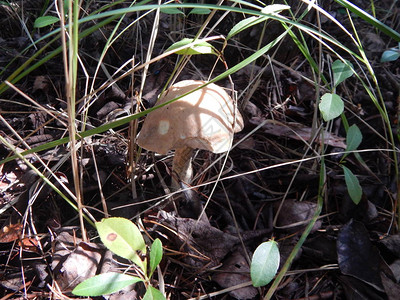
{"x":235,"y":271}
{"x":296,"y":131}
{"x":10,"y":233}
{"x":202,"y":244}
{"x":41,"y":83}
{"x":29,"y":244}
{"x":73,"y":264}
{"x":294,"y":215}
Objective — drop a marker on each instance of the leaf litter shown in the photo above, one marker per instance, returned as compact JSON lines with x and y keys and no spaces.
{"x":352,"y":250}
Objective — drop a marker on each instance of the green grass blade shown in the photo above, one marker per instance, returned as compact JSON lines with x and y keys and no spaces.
{"x":24,"y":70}
{"x":370,"y":19}
{"x":127,"y":119}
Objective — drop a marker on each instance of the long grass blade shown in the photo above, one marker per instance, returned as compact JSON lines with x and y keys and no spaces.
{"x":370,"y":19}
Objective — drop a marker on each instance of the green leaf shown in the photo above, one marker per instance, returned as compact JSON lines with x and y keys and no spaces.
{"x":274,"y":8}
{"x":123,"y":238}
{"x":244,"y":24}
{"x":341,"y":71}
{"x":156,"y":253}
{"x":265,"y":263}
{"x":251,"y":21}
{"x":199,"y":47}
{"x":200,"y":11}
{"x":354,"y":138}
{"x":104,"y":284}
{"x":172,"y":11}
{"x":331,"y":106}
{"x":45,"y":21}
{"x":153,"y":294}
{"x":353,"y":185}
{"x":390,"y":55}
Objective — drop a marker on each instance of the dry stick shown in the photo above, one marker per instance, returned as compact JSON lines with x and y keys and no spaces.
{"x":38,"y":105}
{"x":313,"y":138}
{"x":133,"y":125}
{"x":103,"y":199}
{"x":132,"y":132}
{"x":70,"y":69}
{"x":223,"y":291}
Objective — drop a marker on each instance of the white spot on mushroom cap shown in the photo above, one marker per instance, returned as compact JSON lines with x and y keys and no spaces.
{"x":163,"y":127}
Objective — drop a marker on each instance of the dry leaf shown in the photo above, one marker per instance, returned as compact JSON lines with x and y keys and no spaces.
{"x":10,"y":233}
{"x":297,"y":131}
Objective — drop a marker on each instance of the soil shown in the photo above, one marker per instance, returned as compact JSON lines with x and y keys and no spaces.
{"x":268,"y":187}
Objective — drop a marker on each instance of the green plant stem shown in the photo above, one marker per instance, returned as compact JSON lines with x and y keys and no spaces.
{"x":288,"y":263}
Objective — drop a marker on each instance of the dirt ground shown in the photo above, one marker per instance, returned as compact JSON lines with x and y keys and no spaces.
{"x":268,"y":187}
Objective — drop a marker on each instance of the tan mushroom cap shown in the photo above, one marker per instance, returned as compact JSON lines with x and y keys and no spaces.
{"x":200,"y":120}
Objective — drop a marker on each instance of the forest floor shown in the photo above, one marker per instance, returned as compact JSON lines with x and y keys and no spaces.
{"x":268,"y":187}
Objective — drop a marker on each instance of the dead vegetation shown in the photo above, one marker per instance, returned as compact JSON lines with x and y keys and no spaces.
{"x":267,"y":186}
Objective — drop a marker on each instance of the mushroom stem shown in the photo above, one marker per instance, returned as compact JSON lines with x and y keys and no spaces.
{"x":189,"y":206}
{"x":182,"y":166}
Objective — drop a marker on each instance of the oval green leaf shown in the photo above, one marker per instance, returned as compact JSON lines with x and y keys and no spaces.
{"x":172,"y":11}
{"x":153,"y":294}
{"x":45,"y":21}
{"x":251,"y":21}
{"x":123,"y":238}
{"x":274,"y":8}
{"x":354,"y":138}
{"x":353,"y":185}
{"x":156,"y":253}
{"x":244,"y":24}
{"x":341,"y":71}
{"x":200,"y":11}
{"x":104,"y":284}
{"x":265,"y":263}
{"x":331,"y":106}
{"x":390,"y":55}
{"x":199,"y":47}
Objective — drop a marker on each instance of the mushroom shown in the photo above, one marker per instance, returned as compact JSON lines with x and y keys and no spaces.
{"x":204,"y":119}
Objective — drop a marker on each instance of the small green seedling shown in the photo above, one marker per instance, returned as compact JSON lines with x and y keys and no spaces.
{"x":198,"y":47}
{"x":331,"y":106}
{"x":391,"y":54}
{"x":45,"y":21}
{"x":123,"y":238}
{"x":264,"y":263}
{"x":273,"y":9}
